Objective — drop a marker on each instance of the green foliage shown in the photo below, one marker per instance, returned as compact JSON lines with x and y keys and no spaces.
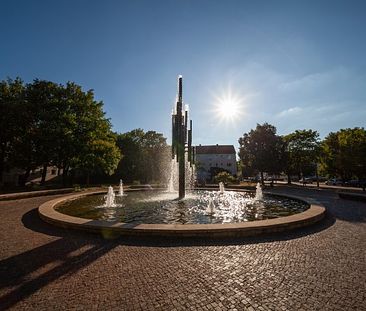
{"x":344,"y":153}
{"x":61,"y":125}
{"x":11,"y":102}
{"x":145,"y":156}
{"x":262,"y":150}
{"x":224,"y":177}
{"x":302,"y":151}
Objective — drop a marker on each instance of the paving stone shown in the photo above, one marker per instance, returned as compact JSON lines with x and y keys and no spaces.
{"x":318,"y":268}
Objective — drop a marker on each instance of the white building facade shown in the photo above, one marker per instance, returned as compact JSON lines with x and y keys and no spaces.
{"x":211,"y":157}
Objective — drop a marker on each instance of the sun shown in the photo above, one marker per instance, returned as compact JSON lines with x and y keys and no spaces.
{"x":228,"y":106}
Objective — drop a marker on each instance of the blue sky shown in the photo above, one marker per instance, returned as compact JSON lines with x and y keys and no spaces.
{"x":294,"y":64}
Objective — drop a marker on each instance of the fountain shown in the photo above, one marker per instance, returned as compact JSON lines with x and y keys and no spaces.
{"x":120,"y":189}
{"x":182,"y":149}
{"x":258,"y":193}
{"x":198,"y":206}
{"x":110,"y":200}
{"x":221,"y":187}
{"x":221,"y":206}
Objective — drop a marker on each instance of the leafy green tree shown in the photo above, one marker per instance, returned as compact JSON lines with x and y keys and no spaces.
{"x":130,"y":168}
{"x":146,"y":156}
{"x":92,"y":143}
{"x":155,"y":154}
{"x":302,"y":150}
{"x":261,"y":149}
{"x":100,"y":155}
{"x":44,"y":128}
{"x":11,"y":101}
{"x":344,"y":153}
{"x":63,"y":126}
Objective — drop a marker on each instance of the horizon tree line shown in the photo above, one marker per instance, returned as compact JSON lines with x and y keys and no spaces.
{"x":301,"y":153}
{"x":43,"y":124}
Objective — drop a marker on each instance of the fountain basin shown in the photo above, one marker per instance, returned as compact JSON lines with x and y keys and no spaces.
{"x":310,"y":216}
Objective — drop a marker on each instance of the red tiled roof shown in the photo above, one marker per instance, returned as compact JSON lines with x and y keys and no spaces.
{"x":215,"y":149}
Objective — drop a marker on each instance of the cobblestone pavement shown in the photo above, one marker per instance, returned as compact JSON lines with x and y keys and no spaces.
{"x":319,"y":268}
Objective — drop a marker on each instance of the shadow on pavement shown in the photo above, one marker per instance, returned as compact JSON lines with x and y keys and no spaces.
{"x":26,"y":273}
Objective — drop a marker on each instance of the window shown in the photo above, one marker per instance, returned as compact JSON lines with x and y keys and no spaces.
{"x":228,"y":164}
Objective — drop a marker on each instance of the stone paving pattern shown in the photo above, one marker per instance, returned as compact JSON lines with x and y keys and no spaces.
{"x":318,"y":268}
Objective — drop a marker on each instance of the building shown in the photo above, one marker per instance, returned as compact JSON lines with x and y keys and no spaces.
{"x":213,"y":158}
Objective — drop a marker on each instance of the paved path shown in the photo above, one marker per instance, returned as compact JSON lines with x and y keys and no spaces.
{"x":319,"y":268}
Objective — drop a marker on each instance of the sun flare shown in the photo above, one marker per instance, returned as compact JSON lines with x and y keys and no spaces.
{"x":228,"y":107}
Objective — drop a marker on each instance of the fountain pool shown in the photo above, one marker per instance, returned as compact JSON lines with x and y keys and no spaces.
{"x":199,"y":207}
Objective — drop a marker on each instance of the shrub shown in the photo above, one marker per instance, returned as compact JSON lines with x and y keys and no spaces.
{"x":224,"y":177}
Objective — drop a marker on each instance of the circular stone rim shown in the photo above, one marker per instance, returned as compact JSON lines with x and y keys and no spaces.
{"x":313,"y":214}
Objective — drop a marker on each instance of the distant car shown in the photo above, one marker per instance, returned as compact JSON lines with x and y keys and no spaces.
{"x":334,"y":182}
{"x":352,"y":183}
{"x":320,"y":178}
{"x":355,"y":183}
{"x":362,"y":184}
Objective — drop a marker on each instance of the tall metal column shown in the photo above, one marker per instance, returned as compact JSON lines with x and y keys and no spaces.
{"x":181,"y":137}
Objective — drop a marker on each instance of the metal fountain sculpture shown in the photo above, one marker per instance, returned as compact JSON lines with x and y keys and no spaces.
{"x":182,"y":148}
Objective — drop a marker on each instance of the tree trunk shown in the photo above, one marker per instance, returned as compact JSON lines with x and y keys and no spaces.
{"x":2,"y":162}
{"x":72,"y":177}
{"x":25,"y":177}
{"x":64,"y":175}
{"x":87,"y":179}
{"x":289,"y":179}
{"x":262,"y":179}
{"x":44,"y":173}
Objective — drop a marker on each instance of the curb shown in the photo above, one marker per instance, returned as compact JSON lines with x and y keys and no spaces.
{"x":31,"y":194}
{"x":47,"y":212}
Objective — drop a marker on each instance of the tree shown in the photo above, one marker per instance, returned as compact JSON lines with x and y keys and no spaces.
{"x":261,"y":149}
{"x":11,"y":101}
{"x":302,"y":150}
{"x":44,"y":127}
{"x":129,"y":168}
{"x":344,"y":153}
{"x":155,"y":155}
{"x":146,"y":156}
{"x":92,"y":143}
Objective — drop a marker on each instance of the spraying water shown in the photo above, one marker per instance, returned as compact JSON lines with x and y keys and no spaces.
{"x":210,"y":207}
{"x":110,"y":200}
{"x":120,"y":189}
{"x":258,"y":193}
{"x":190,"y":173}
{"x":173,"y":178}
{"x":221,"y":187}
